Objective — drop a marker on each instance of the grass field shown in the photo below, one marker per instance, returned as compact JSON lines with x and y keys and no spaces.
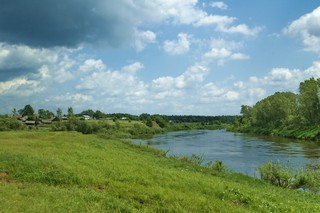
{"x":71,"y":172}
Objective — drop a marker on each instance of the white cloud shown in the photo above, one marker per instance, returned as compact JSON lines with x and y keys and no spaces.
{"x":217,"y":20}
{"x":73,"y":98}
{"x":179,"y":47}
{"x":190,"y":78}
{"x":24,"y":57}
{"x":222,"y":55}
{"x":232,"y":95}
{"x":132,"y":68}
{"x":241,"y":29}
{"x":257,"y":92}
{"x":220,"y":5}
{"x":211,"y":90}
{"x":20,"y":87}
{"x":307,"y":29}
{"x":239,"y":56}
{"x":143,"y":38}
{"x":187,"y":13}
{"x":114,"y":83}
{"x":92,"y":65}
{"x":239,"y":85}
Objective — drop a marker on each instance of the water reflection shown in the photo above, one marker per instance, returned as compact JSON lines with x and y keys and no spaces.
{"x":241,"y":153}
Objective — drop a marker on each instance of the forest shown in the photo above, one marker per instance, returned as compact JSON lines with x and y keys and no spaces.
{"x":285,"y":113}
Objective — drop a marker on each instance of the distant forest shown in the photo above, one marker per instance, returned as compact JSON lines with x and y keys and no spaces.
{"x":285,"y":113}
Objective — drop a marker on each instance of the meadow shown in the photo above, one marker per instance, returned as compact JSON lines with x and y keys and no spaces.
{"x":45,"y":171}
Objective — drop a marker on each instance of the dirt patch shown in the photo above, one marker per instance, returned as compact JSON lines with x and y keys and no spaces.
{"x":3,"y":174}
{"x":4,"y":178}
{"x":100,"y":188}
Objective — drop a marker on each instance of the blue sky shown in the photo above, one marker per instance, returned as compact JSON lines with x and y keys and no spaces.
{"x":162,"y":56}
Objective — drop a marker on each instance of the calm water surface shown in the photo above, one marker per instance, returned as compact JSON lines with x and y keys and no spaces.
{"x":241,"y":153}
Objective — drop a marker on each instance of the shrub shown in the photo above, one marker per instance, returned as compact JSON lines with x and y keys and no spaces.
{"x":217,"y":166}
{"x":8,"y":123}
{"x":284,"y":176}
{"x":277,"y":174}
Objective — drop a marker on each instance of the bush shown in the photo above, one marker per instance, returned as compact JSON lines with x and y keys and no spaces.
{"x":217,"y":166}
{"x":284,"y":176}
{"x":8,"y":123}
{"x":277,"y":174}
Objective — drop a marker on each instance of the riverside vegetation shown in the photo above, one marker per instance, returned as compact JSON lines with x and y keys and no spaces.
{"x":42,"y":170}
{"x":285,"y":114}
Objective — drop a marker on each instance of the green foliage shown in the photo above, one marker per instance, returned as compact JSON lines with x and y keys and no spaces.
{"x":309,"y":103}
{"x":277,"y":174}
{"x":285,"y":114}
{"x":284,"y":176}
{"x":217,"y":166}
{"x":160,"y":120}
{"x":194,"y":159}
{"x":70,"y":112}
{"x":149,"y":121}
{"x":8,"y":123}
{"x":45,"y":114}
{"x":27,"y":111}
{"x":59,"y":113}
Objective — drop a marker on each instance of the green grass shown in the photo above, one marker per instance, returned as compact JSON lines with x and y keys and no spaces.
{"x":71,"y":172}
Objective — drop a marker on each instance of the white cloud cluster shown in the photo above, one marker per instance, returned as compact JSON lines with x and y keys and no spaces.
{"x":22,"y":56}
{"x":307,"y":29}
{"x":187,"y":13}
{"x":179,"y":47}
{"x":223,"y":55}
{"x":222,"y":51}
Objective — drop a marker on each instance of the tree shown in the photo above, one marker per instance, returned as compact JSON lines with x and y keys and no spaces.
{"x":14,"y":111}
{"x":45,"y":114}
{"x":98,"y":114}
{"x":274,"y":111}
{"x":89,"y":112}
{"x":27,"y":111}
{"x":149,"y":121}
{"x":59,"y":113}
{"x":309,"y":104}
{"x":160,"y":121}
{"x":246,"y":112}
{"x":70,"y":112}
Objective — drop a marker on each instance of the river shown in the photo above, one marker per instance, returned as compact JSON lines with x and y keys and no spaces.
{"x":241,"y":153}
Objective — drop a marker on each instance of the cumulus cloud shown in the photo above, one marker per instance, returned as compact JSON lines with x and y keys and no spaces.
{"x":143,"y":38}
{"x":190,"y":78}
{"x":71,"y":23}
{"x":241,"y":29}
{"x":222,"y":51}
{"x":22,"y":59}
{"x":222,"y":55}
{"x":307,"y":29}
{"x":219,"y":4}
{"x":119,"y":83}
{"x":179,"y":47}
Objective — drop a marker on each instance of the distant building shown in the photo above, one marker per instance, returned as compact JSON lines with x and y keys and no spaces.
{"x":30,"y":123}
{"x":85,"y":117}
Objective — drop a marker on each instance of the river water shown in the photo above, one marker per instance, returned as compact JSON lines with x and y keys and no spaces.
{"x":241,"y":153}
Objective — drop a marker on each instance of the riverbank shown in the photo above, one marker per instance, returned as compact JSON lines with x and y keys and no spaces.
{"x":311,"y":133}
{"x":72,"y":172}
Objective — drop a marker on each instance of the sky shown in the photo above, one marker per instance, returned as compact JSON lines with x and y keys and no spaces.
{"x":173,"y":57}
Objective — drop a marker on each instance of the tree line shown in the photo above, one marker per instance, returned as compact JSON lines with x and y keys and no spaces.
{"x":285,"y":109}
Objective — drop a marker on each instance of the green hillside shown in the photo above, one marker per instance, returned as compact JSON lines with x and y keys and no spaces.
{"x":72,"y":172}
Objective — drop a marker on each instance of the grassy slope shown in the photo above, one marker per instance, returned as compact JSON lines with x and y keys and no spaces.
{"x":71,"y":172}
